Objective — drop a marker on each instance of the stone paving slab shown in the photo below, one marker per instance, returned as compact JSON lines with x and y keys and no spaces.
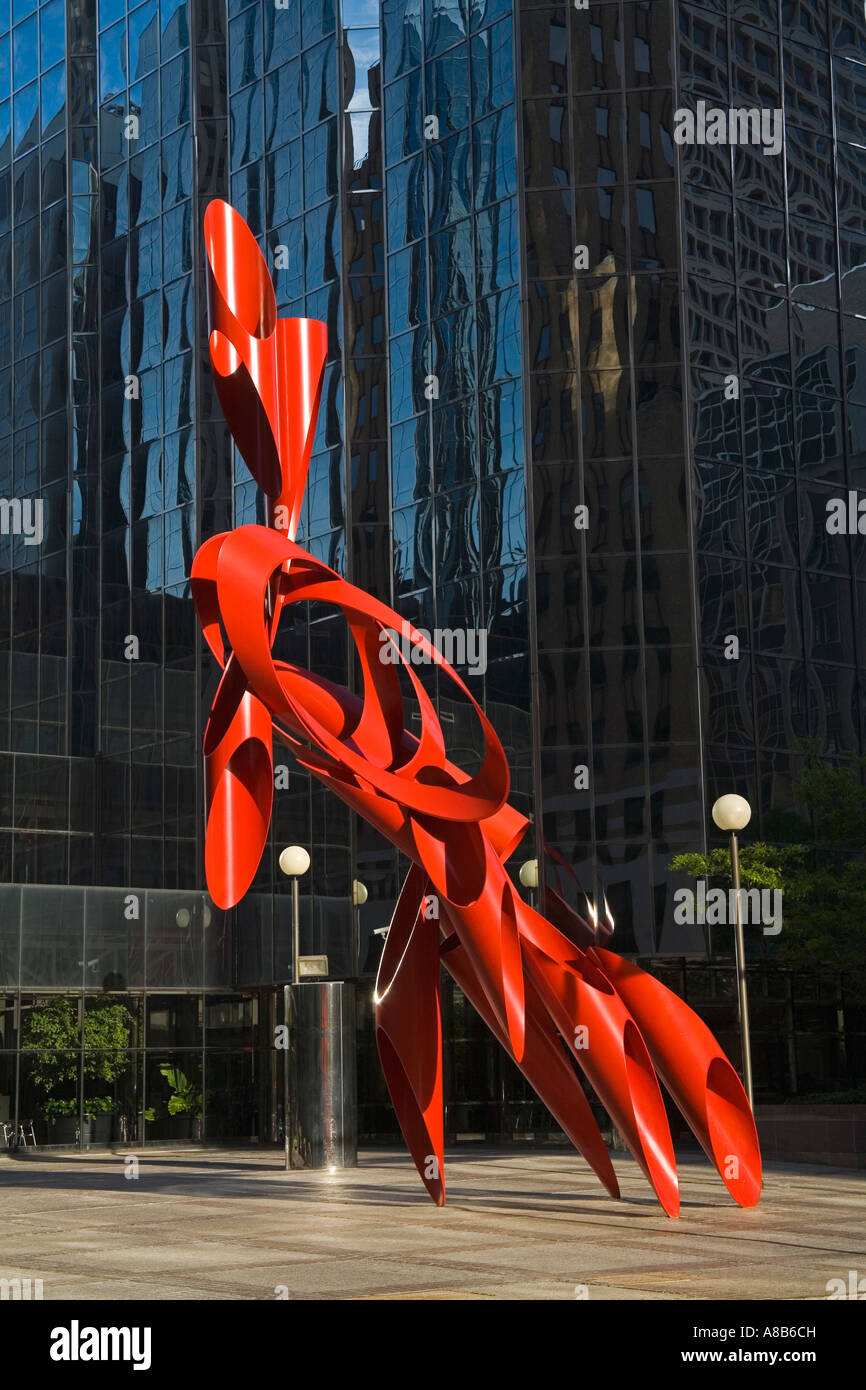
{"x":217,"y":1224}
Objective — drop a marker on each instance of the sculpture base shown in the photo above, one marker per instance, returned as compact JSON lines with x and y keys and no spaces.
{"x":322,"y":1102}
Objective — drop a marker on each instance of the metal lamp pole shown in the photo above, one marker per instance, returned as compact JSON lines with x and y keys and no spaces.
{"x":733,"y":813}
{"x":359,"y":897}
{"x":293,"y":862}
{"x":296,"y":933}
{"x":287,"y":1007}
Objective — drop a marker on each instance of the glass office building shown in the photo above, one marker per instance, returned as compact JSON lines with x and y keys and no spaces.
{"x":589,"y":392}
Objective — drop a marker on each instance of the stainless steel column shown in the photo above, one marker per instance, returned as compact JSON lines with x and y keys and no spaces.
{"x":322,"y":1129}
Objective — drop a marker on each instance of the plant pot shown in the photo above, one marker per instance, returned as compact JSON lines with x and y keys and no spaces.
{"x":103,"y":1125}
{"x":65,"y":1129}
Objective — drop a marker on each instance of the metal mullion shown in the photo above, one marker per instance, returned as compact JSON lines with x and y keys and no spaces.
{"x":425,"y":240}
{"x":688,"y":450}
{"x":846,"y":444}
{"x":476,"y":392}
{"x":583,"y":554}
{"x":346,"y":447}
{"x":197,"y":288}
{"x":789,"y":315}
{"x":387,"y":358}
{"x":526,"y":413}
{"x":580,"y":294}
{"x":349,"y":509}
{"x":388,"y":335}
{"x":70,"y":411}
{"x":347,"y":451}
{"x":639,"y":557}
{"x":747,"y":543}
{"x":81,"y":1011}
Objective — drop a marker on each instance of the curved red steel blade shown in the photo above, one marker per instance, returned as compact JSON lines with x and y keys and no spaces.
{"x":608,"y":1046}
{"x":267,"y":371}
{"x":697,"y":1073}
{"x":545,"y":1066}
{"x":409,"y":1032}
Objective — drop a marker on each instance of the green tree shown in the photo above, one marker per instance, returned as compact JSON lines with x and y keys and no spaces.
{"x":761,"y":866}
{"x":51,"y":1032}
{"x":822,"y":878}
{"x":835,"y":793}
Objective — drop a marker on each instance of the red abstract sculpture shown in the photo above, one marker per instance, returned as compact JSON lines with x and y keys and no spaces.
{"x":529,"y":978}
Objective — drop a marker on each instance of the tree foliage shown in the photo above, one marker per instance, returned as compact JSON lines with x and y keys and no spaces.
{"x":822,"y":878}
{"x":836,"y":795}
{"x":761,"y":866}
{"x":51,"y":1033}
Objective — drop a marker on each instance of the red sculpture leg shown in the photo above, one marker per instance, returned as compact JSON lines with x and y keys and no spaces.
{"x":409,"y":1032}
{"x":608,"y":1047}
{"x":545,"y":1066}
{"x":697,"y":1074}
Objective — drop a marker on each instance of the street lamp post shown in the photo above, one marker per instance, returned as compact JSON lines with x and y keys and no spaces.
{"x":294,"y":861}
{"x":733,"y":813}
{"x":359,"y":897}
{"x":528,"y":876}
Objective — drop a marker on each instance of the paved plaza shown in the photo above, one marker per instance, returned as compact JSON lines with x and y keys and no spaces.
{"x":217,"y":1224}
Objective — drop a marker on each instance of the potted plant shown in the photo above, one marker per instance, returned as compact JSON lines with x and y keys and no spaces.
{"x":107,"y":1031}
{"x":52,"y":1034}
{"x":102,"y":1111}
{"x":63,"y":1118}
{"x":184,"y":1103}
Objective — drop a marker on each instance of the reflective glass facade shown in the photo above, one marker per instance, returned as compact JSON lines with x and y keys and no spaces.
{"x":704,"y":366}
{"x":775,"y":254}
{"x":589,"y":392}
